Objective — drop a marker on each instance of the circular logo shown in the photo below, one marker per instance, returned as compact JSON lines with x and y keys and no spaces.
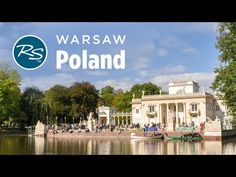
{"x":29,"y":52}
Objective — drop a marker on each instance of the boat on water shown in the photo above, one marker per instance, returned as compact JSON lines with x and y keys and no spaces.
{"x":187,"y":137}
{"x":158,"y":136}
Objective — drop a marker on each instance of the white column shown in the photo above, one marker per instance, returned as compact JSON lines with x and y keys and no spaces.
{"x":108,"y":119}
{"x":184,"y":118}
{"x":160,"y":114}
{"x":176,"y":115}
{"x":169,"y":120}
{"x":167,"y":112}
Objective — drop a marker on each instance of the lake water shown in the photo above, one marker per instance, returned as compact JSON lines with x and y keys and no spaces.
{"x":21,"y":144}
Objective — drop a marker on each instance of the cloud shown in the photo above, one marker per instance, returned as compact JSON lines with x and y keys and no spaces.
{"x":123,"y":83}
{"x":200,"y":27}
{"x":5,"y":53}
{"x":142,"y":63}
{"x":137,"y":80}
{"x":145,"y":73}
{"x":169,"y":41}
{"x":6,"y":57}
{"x":97,"y":73}
{"x":4,"y":43}
{"x":162,"y":52}
{"x":165,"y":70}
{"x":203,"y":78}
{"x":146,"y":48}
{"x":171,"y":69}
{"x":190,"y":50}
{"x":45,"y":82}
{"x":141,"y":54}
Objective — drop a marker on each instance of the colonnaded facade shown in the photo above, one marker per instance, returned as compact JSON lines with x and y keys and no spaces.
{"x":185,"y":103}
{"x":108,"y":115}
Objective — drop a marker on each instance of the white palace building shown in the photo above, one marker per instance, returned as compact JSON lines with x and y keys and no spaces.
{"x":185,"y":103}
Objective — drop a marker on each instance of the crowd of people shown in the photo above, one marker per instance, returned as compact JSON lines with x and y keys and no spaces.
{"x":113,"y":127}
{"x":156,"y":128}
{"x":82,"y":127}
{"x":63,"y":128}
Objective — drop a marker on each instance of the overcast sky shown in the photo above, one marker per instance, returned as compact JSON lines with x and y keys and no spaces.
{"x":155,"y":52}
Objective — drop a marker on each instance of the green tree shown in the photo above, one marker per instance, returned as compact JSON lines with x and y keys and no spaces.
{"x":225,"y":81}
{"x":107,"y":96}
{"x":106,"y":90}
{"x":58,"y":101}
{"x":122,"y":101}
{"x":149,"y":88}
{"x":33,"y":106}
{"x":9,"y":93}
{"x":84,"y":99}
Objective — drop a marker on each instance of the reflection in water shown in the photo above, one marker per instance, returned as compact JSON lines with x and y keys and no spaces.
{"x":229,"y":146}
{"x":178,"y":147}
{"x":87,"y":146}
{"x":39,"y":145}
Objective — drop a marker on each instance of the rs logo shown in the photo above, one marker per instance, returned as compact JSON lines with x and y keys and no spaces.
{"x":29,"y":52}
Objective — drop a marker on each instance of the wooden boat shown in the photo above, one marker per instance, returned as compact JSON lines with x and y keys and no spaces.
{"x":159,"y":136}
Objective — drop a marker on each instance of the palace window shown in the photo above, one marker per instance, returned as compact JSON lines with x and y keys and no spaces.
{"x":151,"y":108}
{"x":194,"y":107}
{"x":137,"y":111}
{"x":217,"y":108}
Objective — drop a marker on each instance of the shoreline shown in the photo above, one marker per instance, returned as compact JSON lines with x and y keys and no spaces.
{"x":10,"y":131}
{"x":106,"y":134}
{"x":125,"y":134}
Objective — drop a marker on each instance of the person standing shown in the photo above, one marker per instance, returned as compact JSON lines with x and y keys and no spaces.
{"x":145,"y":130}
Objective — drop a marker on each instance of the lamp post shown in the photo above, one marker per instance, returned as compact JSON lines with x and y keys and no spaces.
{"x":73,"y":120}
{"x":47,"y":120}
{"x":65,"y":120}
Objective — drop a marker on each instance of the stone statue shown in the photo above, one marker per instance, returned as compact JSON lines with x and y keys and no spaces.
{"x":160,"y":91}
{"x":143,"y":92}
{"x":133,"y":95}
{"x":90,"y":122}
{"x":40,"y":129}
{"x":209,"y":119}
{"x":213,"y":125}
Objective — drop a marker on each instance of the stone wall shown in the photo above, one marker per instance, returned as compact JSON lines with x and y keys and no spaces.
{"x":213,"y":128}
